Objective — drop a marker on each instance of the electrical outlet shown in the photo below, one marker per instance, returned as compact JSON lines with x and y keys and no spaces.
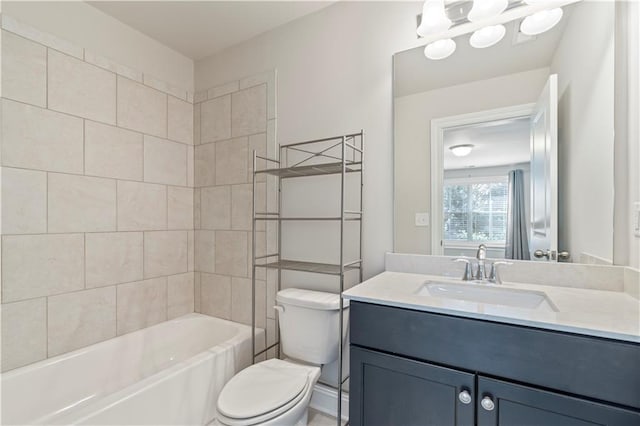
{"x":422,"y":219}
{"x":636,"y":219}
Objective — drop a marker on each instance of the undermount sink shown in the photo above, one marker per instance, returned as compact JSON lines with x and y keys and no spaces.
{"x":487,"y":293}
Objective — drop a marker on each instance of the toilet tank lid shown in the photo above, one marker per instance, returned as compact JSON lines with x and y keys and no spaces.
{"x":310,"y":299}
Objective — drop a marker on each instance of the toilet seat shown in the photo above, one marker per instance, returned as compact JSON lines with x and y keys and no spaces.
{"x":265,"y":391}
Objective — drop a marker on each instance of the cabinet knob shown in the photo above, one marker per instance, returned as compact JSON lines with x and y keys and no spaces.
{"x":487,"y":403}
{"x":464,"y":397}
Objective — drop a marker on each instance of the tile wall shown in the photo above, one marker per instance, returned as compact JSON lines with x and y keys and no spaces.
{"x":97,"y":197}
{"x":231,"y":121}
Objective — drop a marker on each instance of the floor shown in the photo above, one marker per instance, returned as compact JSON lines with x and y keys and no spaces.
{"x":317,"y":418}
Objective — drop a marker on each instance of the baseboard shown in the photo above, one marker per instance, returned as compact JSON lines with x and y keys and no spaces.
{"x":325,"y":398}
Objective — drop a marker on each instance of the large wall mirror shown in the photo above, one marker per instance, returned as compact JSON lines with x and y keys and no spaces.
{"x":511,"y":146}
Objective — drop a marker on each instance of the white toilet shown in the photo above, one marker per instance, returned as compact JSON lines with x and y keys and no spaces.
{"x":277,"y":392}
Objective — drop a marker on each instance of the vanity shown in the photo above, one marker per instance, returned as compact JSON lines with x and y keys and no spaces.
{"x":419,"y":357}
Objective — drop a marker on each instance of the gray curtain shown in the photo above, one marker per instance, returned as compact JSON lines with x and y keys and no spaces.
{"x":517,"y":245}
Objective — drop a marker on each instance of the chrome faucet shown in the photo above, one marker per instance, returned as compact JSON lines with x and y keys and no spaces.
{"x":481,"y":270}
{"x":481,"y":255}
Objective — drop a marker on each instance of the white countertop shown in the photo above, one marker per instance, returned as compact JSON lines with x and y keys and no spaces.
{"x":610,"y":314}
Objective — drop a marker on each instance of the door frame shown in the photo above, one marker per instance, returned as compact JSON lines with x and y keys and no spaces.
{"x":438,"y":126}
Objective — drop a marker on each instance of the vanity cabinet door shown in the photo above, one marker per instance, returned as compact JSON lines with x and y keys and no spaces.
{"x":387,"y":390}
{"x":508,"y":404}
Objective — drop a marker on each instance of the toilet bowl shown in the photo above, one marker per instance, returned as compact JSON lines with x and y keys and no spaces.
{"x":277,"y":392}
{"x":273,"y":392}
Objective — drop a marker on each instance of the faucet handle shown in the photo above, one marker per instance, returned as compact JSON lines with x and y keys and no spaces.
{"x":494,"y":275}
{"x":468,"y":273}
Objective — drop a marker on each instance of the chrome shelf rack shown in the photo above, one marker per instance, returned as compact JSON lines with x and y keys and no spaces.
{"x":339,"y":155}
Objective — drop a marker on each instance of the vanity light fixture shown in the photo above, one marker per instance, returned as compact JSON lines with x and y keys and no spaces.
{"x":440,"y":49}
{"x":487,"y":36}
{"x":541,"y":21}
{"x":461,"y":150}
{"x":434,"y":19}
{"x":486,"y":9}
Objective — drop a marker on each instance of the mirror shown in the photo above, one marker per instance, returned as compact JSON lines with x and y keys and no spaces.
{"x":511,"y":146}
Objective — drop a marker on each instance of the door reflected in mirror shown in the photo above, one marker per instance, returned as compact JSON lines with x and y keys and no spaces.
{"x":511,"y":146}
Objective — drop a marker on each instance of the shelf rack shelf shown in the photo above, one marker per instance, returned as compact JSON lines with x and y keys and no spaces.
{"x":339,"y":155}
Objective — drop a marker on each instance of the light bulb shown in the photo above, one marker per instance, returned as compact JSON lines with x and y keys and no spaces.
{"x":486,"y":9}
{"x":541,"y":21}
{"x":440,"y":49}
{"x":461,"y":150}
{"x":434,"y":19}
{"x":487,"y":36}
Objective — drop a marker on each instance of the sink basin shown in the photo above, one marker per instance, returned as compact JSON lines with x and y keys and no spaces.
{"x":486,"y":293}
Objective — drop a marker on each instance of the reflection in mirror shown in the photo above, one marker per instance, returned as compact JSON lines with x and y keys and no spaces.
{"x":510,"y":146}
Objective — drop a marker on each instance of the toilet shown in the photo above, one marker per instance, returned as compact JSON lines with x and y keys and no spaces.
{"x":277,"y":392}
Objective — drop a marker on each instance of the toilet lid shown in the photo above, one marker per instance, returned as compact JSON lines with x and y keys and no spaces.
{"x":261,"y":389}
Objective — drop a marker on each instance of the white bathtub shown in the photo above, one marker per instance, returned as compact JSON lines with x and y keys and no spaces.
{"x":170,"y":373}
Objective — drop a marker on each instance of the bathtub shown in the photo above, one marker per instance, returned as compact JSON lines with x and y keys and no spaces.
{"x":170,"y":373}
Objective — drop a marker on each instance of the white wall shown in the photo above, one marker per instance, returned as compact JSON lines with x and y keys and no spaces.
{"x":413,"y":115}
{"x":334,"y":76}
{"x":85,"y":26}
{"x":585,"y":130}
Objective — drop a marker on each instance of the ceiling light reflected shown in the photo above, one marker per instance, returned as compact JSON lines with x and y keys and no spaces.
{"x":486,"y":9}
{"x":541,"y":21}
{"x":440,"y":49}
{"x":487,"y":36}
{"x":434,"y":19}
{"x":461,"y":150}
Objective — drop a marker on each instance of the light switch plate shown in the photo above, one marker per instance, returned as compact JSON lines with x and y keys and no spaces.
{"x":422,"y":219}
{"x":636,"y":219}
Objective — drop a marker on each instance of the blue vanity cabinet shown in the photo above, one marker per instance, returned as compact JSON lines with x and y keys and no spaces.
{"x":391,"y":390}
{"x":413,"y":367}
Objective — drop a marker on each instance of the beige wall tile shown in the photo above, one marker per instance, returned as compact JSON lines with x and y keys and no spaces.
{"x":80,"y":319}
{"x":113,"y":258}
{"x":179,"y":295}
{"x":223,"y":89}
{"x":231,"y":164}
{"x":196,"y":124}
{"x":112,"y":152}
{"x":215,"y":293}
{"x":190,"y":166}
{"x":191,"y":251}
{"x":81,"y":89}
{"x":141,"y":206}
{"x":24,"y":333}
{"x":24,"y":70}
{"x":241,"y":301}
{"x":205,"y":255}
{"x":24,"y":201}
{"x":41,"y":265}
{"x":112,"y":66}
{"x":55,"y":144}
{"x":165,"y":87}
{"x":241,"y":207}
{"x":165,"y":253}
{"x":141,"y":108}
{"x":10,"y":24}
{"x":165,"y":161}
{"x":231,"y":253}
{"x":215,"y":207}
{"x":180,"y":207}
{"x":205,"y":164}
{"x":215,"y":116}
{"x":258,"y":143}
{"x":180,"y":117}
{"x":141,"y":304}
{"x":81,"y":204}
{"x":249,"y":111}
{"x":196,"y":208}
{"x":196,"y":291}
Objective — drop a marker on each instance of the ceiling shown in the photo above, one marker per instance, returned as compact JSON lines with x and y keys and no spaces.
{"x":497,"y":143}
{"x":198,"y":29}
{"x":414,"y":73}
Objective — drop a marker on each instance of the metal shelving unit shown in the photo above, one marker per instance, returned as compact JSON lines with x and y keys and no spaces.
{"x":340,"y":155}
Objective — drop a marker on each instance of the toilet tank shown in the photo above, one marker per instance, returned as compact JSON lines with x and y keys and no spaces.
{"x":309,"y":322}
